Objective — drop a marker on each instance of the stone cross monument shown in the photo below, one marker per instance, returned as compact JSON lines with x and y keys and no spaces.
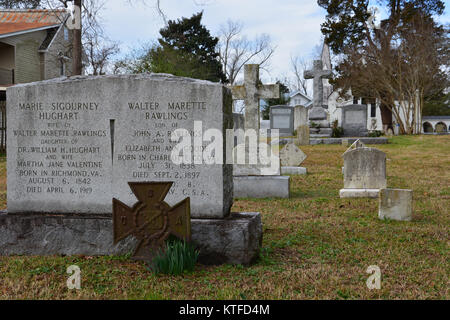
{"x":251,"y":92}
{"x":317,"y":73}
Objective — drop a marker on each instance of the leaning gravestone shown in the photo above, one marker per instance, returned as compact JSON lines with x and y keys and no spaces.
{"x":364,"y":173}
{"x":291,"y":157}
{"x":74,"y":144}
{"x":354,"y":120}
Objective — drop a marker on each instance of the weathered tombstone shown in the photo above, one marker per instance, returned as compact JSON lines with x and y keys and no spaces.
{"x":354,"y":145}
{"x":300,"y":116}
{"x":303,"y":135}
{"x":395,"y":204}
{"x":354,"y":120}
{"x":251,"y":92}
{"x":364,"y":172}
{"x":301,"y":125}
{"x":74,"y":144}
{"x":282,"y":118}
{"x":291,"y":157}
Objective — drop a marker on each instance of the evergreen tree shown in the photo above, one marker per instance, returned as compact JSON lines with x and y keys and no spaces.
{"x":19,"y":4}
{"x":187,"y":49}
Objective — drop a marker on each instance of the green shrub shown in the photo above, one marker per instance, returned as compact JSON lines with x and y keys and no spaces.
{"x":337,"y":132}
{"x":177,"y":257}
{"x":375,"y":134}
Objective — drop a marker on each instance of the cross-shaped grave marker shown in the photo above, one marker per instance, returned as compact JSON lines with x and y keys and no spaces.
{"x":251,"y":92}
{"x":151,"y":220}
{"x":317,"y":73}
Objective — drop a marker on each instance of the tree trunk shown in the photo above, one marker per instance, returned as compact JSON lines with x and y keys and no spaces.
{"x":386,"y":117}
{"x":77,"y":57}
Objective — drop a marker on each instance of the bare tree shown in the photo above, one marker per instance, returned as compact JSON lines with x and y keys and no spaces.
{"x":89,"y":26}
{"x":236,"y":50}
{"x":402,"y":74}
{"x":298,"y":67}
{"x":99,"y":53}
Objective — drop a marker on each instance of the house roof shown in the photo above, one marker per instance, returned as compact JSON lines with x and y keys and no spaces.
{"x":436,"y":118}
{"x":298,"y":92}
{"x":21,"y":21}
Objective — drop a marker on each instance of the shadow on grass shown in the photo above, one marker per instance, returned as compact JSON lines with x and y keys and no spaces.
{"x":306,"y":194}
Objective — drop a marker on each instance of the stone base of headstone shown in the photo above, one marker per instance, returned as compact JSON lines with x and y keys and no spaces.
{"x":319,"y":136}
{"x":293,"y":170}
{"x":321,"y":140}
{"x":359,"y":193}
{"x":261,"y":186}
{"x":235,"y":239}
{"x":327,"y":131}
{"x":395,"y":204}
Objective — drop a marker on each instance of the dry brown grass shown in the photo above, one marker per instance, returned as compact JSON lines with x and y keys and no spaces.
{"x":316,"y":245}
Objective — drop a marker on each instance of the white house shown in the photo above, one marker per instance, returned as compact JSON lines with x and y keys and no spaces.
{"x":298,"y":98}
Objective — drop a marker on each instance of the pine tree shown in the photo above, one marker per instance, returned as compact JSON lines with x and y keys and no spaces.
{"x":188,"y":49}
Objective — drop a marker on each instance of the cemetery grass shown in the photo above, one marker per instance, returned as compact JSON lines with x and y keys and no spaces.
{"x":316,"y":245}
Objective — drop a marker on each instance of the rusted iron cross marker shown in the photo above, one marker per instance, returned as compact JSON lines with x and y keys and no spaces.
{"x":151,"y":220}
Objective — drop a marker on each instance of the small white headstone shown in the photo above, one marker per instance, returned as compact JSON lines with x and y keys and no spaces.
{"x":395,"y":204}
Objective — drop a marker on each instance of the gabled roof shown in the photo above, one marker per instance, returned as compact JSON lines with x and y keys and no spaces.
{"x":436,"y":118}
{"x":17,"y":21}
{"x":298,"y":92}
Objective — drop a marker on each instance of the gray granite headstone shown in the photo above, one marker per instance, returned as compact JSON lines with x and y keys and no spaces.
{"x":282,"y":118}
{"x":354,"y":120}
{"x":73,"y":144}
{"x":364,"y":168}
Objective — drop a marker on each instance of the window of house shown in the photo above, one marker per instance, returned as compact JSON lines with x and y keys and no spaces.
{"x":66,"y":34}
{"x":373,"y":110}
{"x":355,"y":100}
{"x":62,"y":70}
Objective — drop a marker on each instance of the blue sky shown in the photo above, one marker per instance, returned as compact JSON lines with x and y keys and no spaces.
{"x":294,"y":25}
